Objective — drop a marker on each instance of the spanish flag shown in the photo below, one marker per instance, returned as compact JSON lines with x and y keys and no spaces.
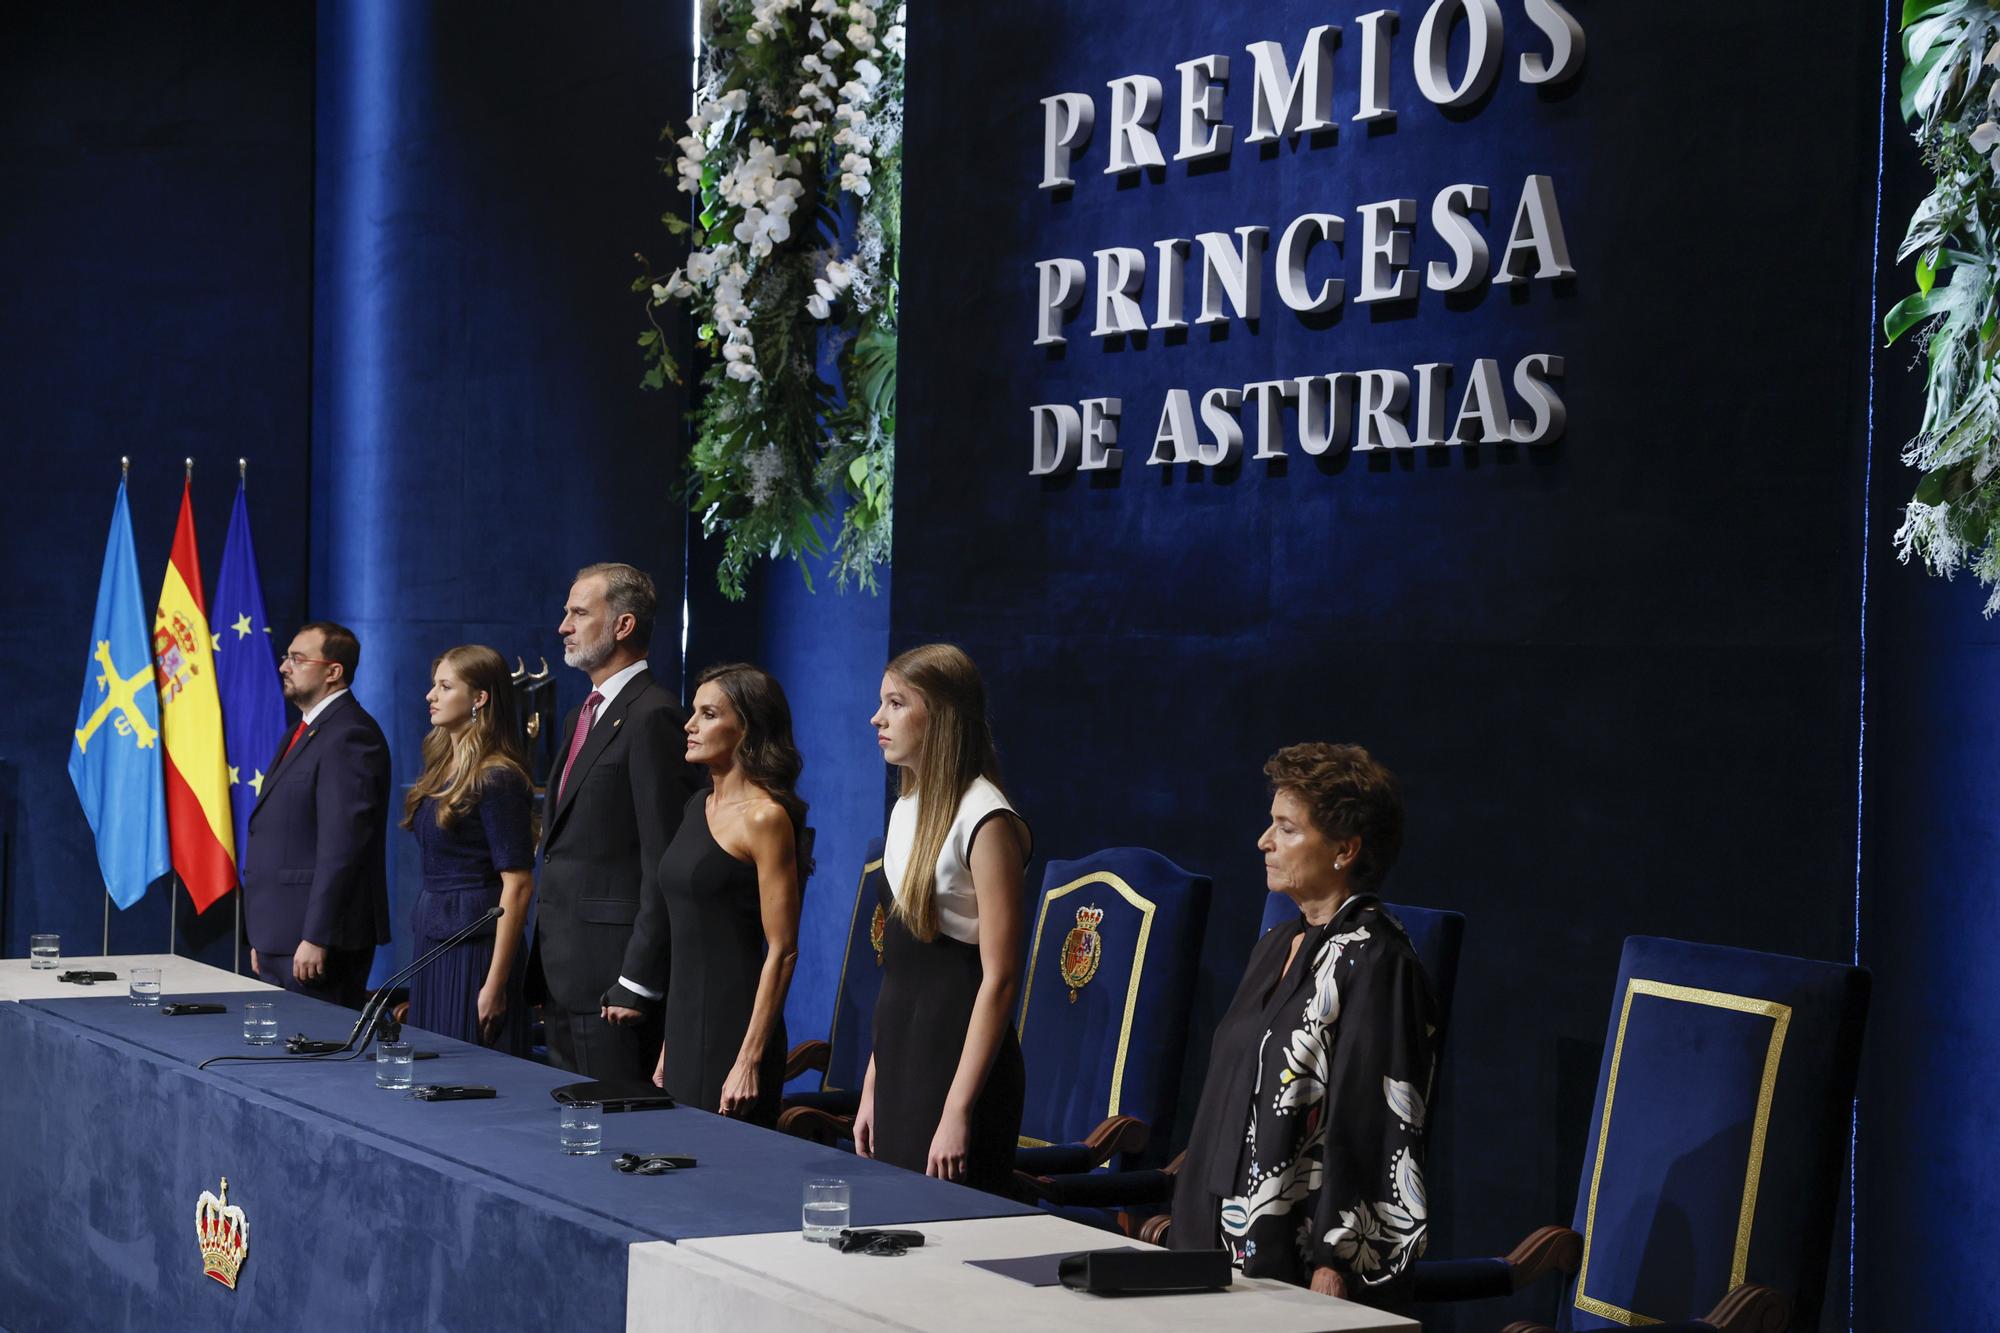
{"x":198,"y":823}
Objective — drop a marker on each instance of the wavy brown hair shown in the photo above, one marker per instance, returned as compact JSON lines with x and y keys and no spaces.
{"x":456,"y":763}
{"x":957,"y":747}
{"x":767,"y":754}
{"x":1347,"y":794}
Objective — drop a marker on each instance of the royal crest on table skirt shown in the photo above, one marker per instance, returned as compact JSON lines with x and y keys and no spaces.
{"x":1082,"y":951}
{"x":878,"y":925}
{"x":223,"y":1233}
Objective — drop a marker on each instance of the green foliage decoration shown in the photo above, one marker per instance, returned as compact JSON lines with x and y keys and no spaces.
{"x":793,"y":156}
{"x":1951,"y":93}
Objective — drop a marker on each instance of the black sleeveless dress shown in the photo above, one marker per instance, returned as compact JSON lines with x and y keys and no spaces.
{"x":717,"y":946}
{"x":921,"y":1018}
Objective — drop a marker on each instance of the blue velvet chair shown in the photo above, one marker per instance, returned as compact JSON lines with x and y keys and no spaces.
{"x":1123,"y":1200}
{"x":1716,"y":1149}
{"x":826,"y":1114}
{"x":1112,"y":958}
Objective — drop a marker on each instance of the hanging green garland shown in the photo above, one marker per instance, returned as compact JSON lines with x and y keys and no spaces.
{"x":794,"y":156}
{"x":1951,"y":90}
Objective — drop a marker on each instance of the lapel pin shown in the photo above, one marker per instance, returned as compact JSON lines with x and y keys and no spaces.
{"x":617,"y":722}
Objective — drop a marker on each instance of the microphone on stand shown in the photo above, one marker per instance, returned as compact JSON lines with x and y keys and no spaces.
{"x":371,"y":1014}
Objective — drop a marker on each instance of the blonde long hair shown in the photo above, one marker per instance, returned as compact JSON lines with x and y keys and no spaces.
{"x":456,"y":763}
{"x":957,"y":748}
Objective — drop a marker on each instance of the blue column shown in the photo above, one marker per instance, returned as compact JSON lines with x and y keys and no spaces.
{"x":483,"y":178}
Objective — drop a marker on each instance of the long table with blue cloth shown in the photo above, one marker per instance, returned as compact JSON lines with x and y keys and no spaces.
{"x":366,"y":1208}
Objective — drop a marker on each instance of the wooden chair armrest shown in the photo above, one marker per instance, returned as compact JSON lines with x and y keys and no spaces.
{"x":1751,"y":1308}
{"x":1748,"y":1309}
{"x":1546,"y":1250}
{"x":1117,"y":1134}
{"x":808,"y":1122}
{"x":807,"y":1055}
{"x":1154,"y":1230}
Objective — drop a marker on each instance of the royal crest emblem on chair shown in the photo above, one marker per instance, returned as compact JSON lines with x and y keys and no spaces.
{"x":223,"y":1233}
{"x":1082,"y":951}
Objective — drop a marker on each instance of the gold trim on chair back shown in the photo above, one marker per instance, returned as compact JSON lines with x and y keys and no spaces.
{"x":840,"y":988}
{"x":1781,"y":1016}
{"x":1146,"y":909}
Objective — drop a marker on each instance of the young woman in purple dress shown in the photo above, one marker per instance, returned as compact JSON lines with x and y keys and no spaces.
{"x":473,"y":821}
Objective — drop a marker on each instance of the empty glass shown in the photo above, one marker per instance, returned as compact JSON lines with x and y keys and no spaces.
{"x":146,"y":987}
{"x":392,"y":1065}
{"x":582,"y":1129}
{"x":260,"y":1023}
{"x":824,"y":1213}
{"x":45,"y":951}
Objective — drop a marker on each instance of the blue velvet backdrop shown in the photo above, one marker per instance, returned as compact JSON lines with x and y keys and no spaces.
{"x":155,"y":301}
{"x":483,"y":178}
{"x":1929,"y":913}
{"x":1618,"y":676}
{"x":382,"y":251}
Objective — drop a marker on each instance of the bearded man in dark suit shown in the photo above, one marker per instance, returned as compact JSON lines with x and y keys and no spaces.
{"x":614,"y":803}
{"x":315,"y":887}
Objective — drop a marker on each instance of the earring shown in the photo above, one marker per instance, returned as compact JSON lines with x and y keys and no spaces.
{"x":475,"y":713}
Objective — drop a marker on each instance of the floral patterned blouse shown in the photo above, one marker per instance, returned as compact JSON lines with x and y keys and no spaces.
{"x":1308,"y":1147}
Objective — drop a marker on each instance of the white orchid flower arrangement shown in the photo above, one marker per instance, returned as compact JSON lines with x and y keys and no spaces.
{"x":793,"y":158}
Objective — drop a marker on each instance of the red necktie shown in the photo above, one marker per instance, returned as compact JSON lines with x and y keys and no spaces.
{"x":297,"y":732}
{"x":583,"y":721}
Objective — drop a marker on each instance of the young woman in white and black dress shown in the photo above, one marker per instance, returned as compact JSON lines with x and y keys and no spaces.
{"x":944,"y":1089}
{"x":727,"y":905}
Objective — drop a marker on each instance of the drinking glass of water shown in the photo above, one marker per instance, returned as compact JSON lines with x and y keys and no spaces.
{"x":146,"y":987}
{"x":392,"y":1064}
{"x":45,"y":951}
{"x":582,"y":1128}
{"x":824,"y":1214}
{"x":260,"y":1023}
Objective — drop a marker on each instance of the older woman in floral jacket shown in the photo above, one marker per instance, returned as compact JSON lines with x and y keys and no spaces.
{"x":1307,"y":1155}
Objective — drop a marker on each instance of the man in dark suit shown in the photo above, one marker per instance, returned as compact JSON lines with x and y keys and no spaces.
{"x":614,"y":802}
{"x":315,"y":888}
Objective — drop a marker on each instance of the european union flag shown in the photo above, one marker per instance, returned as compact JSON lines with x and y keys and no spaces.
{"x":246,"y":671}
{"x":114,"y":760}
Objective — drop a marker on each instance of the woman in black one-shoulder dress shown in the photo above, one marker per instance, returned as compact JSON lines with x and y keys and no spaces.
{"x":720,"y":934}
{"x":717,"y":947}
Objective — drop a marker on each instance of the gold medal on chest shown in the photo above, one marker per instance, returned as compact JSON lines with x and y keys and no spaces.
{"x":878,"y":925}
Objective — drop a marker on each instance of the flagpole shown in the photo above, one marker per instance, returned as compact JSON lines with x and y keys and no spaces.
{"x":124,"y":476}
{"x":242,"y":483}
{"x":106,"y":953}
{"x":173,"y":886}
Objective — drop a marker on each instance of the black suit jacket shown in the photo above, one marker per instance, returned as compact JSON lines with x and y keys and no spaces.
{"x":313,"y":866}
{"x":603,"y":838}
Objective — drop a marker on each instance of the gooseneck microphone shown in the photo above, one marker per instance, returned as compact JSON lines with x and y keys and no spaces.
{"x":302,"y":1047}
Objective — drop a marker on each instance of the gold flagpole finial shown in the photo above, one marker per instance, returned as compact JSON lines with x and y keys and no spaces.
{"x":242,"y":469}
{"x":124,"y":468}
{"x":190,"y":469}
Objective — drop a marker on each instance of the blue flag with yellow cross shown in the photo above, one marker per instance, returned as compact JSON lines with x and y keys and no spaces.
{"x":114,"y":755}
